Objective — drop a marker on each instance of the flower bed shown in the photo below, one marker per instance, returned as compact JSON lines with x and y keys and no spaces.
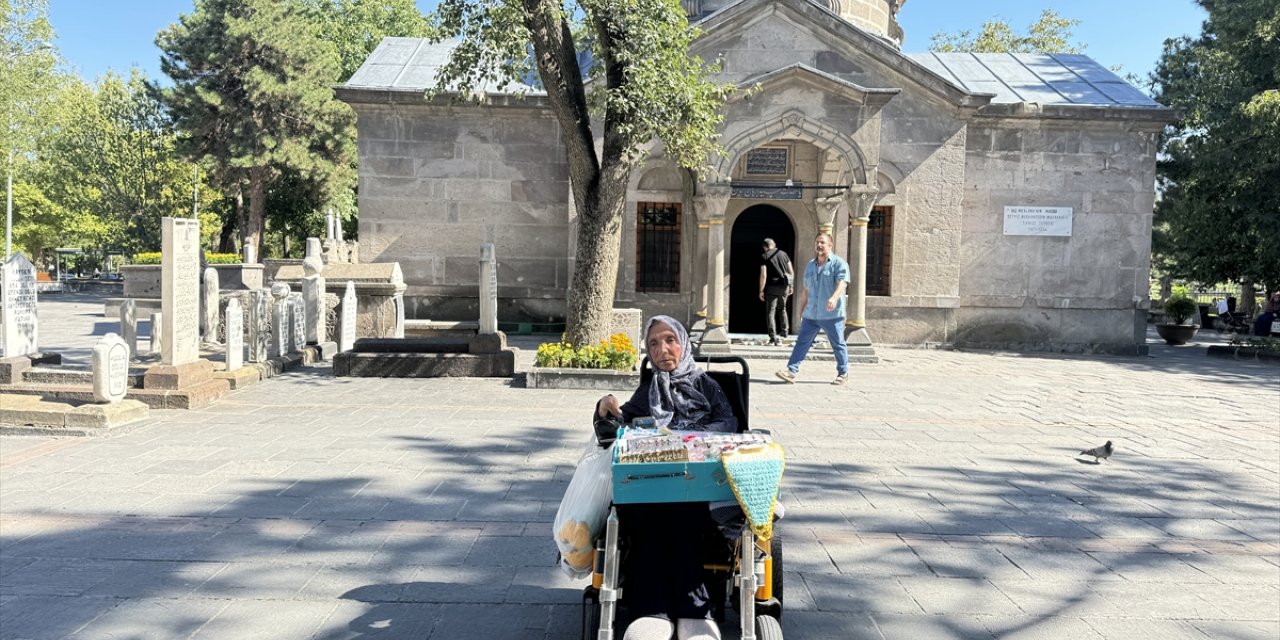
{"x":607,"y":366}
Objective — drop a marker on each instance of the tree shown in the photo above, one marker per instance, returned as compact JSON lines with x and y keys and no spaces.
{"x":253,"y":92}
{"x":646,"y":86}
{"x":40,"y":224}
{"x":1050,"y":34}
{"x":356,"y":27}
{"x":1220,"y":168}
{"x":111,"y":153}
{"x":26,"y":81}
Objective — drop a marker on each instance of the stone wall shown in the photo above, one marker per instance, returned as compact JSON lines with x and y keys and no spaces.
{"x":1080,"y":292}
{"x":437,"y":181}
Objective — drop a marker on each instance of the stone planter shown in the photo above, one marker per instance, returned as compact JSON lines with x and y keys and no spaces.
{"x":1177,"y":334}
{"x":143,"y":280}
{"x":597,"y":379}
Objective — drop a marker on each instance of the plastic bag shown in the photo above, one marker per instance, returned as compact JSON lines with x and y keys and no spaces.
{"x":583,"y":510}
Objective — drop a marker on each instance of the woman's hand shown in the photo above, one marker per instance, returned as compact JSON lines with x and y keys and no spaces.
{"x":607,"y":406}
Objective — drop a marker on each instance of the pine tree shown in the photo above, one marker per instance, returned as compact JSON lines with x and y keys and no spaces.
{"x":253,"y":91}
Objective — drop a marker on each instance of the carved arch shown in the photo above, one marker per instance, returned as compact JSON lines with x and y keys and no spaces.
{"x":795,"y":125}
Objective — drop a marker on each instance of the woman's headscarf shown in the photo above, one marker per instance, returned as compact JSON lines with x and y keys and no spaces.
{"x":674,"y":398}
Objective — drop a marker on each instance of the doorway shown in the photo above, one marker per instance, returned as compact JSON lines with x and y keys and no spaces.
{"x":746,"y":311}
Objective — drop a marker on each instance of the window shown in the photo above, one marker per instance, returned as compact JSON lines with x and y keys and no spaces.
{"x":658,"y":247}
{"x":879,"y":250}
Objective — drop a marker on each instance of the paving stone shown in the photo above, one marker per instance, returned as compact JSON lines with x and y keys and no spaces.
{"x":952,"y":596}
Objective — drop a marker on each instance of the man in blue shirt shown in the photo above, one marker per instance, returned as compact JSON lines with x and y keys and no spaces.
{"x":822,"y":298}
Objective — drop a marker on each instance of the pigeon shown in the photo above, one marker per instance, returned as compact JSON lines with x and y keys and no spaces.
{"x":1102,"y":452}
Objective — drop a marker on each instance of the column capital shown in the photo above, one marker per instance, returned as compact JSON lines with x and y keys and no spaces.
{"x":711,"y":201}
{"x":861,"y":198}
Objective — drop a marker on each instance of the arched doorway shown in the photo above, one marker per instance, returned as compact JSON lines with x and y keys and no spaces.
{"x":746,"y":311}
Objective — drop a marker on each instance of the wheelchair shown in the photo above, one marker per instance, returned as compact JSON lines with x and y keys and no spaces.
{"x":745,"y":571}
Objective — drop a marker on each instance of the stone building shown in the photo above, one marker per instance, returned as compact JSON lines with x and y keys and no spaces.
{"x":996,"y":200}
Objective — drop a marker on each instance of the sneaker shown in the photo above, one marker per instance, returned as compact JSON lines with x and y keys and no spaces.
{"x":840,"y":379}
{"x":787,"y":376}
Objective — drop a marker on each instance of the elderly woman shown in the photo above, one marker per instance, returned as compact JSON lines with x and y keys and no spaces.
{"x":679,"y":395}
{"x":666,"y":589}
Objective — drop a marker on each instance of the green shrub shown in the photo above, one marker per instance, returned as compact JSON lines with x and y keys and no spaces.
{"x":209,"y":258}
{"x":1180,"y":308}
{"x":1261,"y":343}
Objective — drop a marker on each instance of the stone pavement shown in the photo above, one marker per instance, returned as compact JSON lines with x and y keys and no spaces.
{"x":936,"y":496}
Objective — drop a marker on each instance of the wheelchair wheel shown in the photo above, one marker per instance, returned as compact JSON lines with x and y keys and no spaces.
{"x":590,"y":615}
{"x":768,"y":628}
{"x":775,"y":550}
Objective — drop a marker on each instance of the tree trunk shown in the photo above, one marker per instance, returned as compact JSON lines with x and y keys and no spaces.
{"x":1247,"y":294}
{"x":227,"y":236}
{"x":257,"y":208}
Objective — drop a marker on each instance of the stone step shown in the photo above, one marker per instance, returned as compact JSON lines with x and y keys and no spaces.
{"x":22,"y":414}
{"x":501,"y":364}
{"x":411,"y":345}
{"x":46,"y":375}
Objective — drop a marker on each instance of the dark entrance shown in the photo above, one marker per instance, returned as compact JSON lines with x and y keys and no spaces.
{"x":746,"y":311}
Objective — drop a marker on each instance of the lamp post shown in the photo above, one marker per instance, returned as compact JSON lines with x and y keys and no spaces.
{"x":8,"y":206}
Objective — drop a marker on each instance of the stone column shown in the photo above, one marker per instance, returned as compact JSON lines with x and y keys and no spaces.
{"x":861,"y":199}
{"x":179,"y":291}
{"x":129,"y":324}
{"x":209,"y":305}
{"x":710,"y":205}
{"x":313,"y":297}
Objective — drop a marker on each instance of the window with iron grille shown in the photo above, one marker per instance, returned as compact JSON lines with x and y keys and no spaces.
{"x":879,"y":250}
{"x":658,"y":247}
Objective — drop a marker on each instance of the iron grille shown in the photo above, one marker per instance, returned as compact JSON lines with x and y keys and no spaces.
{"x":658,"y":247}
{"x":879,"y":250}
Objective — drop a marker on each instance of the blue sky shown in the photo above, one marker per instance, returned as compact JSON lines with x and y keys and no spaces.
{"x":95,"y":36}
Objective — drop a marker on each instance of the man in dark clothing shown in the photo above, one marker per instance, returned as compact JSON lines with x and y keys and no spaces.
{"x":775,"y":286}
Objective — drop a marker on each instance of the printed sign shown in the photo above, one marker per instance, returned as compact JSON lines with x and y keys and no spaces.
{"x":1037,"y":221}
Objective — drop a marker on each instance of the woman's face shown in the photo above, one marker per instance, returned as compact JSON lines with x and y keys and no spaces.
{"x":664,"y":347}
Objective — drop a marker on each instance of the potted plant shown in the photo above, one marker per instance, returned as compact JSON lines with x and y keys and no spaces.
{"x":1177,"y":328}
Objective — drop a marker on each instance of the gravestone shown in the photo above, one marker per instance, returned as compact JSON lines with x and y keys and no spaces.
{"x":627,"y":321}
{"x":488,"y":289}
{"x":313,"y":248}
{"x":157,"y":336}
{"x":313,"y":299}
{"x":280,"y":329}
{"x":129,"y":324}
{"x":259,"y":324}
{"x":250,"y":254}
{"x":347,"y":328}
{"x":235,"y":335}
{"x":297,"y":322}
{"x":180,"y":290}
{"x":20,"y":328}
{"x":209,"y":304}
{"x":110,"y":362}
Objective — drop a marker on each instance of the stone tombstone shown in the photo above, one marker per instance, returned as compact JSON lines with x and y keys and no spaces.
{"x":180,"y":290}
{"x":259,"y":324}
{"x":313,"y":248}
{"x":313,"y":299}
{"x":399,"y":329}
{"x":488,"y":289}
{"x":20,"y":328}
{"x":297,"y":322}
{"x":235,"y":335}
{"x":209,"y":305}
{"x":347,"y":328}
{"x":628,"y":321}
{"x":129,"y":324}
{"x":280,"y":329}
{"x":250,"y":254}
{"x":110,"y":362}
{"x":157,"y":336}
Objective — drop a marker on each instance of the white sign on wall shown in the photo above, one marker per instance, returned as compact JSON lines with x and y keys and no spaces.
{"x":1037,"y":221}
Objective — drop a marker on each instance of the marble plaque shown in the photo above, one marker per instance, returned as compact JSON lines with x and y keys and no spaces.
{"x":235,"y":335}
{"x":1037,"y":221}
{"x":110,"y":363}
{"x":347,"y":328}
{"x":20,"y":328}
{"x":180,"y":290}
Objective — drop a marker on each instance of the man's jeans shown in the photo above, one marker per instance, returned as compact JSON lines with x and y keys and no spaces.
{"x":776,"y":307}
{"x":834,"y":328}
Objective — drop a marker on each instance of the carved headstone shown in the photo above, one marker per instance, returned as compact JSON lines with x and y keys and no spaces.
{"x":313,"y":248}
{"x":297,"y":322}
{"x":157,"y":335}
{"x":110,"y":362}
{"x":235,"y":335}
{"x":399,"y":330}
{"x":180,"y":290}
{"x":259,"y":324}
{"x":313,"y":299}
{"x":209,"y":304}
{"x":488,"y":289}
{"x":129,"y":324}
{"x":347,"y":328}
{"x":250,"y":253}
{"x":20,"y":328}
{"x":280,"y":329}
{"x":627,"y":321}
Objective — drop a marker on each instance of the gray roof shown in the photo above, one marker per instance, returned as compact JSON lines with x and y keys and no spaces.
{"x":411,"y":64}
{"x":1056,"y":78}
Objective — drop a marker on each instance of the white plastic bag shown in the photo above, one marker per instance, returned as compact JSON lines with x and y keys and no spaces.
{"x":583,"y":510}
